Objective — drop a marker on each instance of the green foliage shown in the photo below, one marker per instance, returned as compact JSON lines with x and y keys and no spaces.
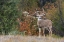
{"x":53,"y":1}
{"x":57,"y":17}
{"x":28,"y":4}
{"x":8,"y":16}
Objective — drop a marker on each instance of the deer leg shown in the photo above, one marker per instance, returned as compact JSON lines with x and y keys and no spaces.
{"x":50,"y":31}
{"x":43,"y":31}
{"x":39,"y":32}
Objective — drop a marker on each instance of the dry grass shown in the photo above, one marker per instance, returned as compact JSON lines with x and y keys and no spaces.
{"x":18,"y":38}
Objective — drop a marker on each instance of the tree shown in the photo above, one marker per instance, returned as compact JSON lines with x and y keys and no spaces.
{"x":60,"y":11}
{"x":8,"y":14}
{"x":28,"y":4}
{"x":43,"y":2}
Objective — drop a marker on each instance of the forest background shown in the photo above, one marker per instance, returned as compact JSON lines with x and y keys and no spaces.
{"x":11,"y":10}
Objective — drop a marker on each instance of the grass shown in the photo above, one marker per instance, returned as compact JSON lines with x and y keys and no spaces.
{"x":19,"y":38}
{"x":56,"y":36}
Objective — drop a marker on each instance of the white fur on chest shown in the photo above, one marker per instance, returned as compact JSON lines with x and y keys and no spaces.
{"x":39,"y":19}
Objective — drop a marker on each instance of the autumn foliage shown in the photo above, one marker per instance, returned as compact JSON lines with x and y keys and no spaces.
{"x":24,"y":26}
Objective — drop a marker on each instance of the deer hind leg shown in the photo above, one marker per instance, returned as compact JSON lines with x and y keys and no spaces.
{"x":50,"y":31}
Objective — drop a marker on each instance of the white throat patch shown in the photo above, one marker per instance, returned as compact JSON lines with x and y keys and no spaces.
{"x":39,"y":18}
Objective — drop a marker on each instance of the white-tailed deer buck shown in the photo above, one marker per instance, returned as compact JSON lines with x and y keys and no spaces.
{"x":43,"y":23}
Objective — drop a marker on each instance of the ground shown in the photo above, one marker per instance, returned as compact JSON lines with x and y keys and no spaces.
{"x":18,"y":38}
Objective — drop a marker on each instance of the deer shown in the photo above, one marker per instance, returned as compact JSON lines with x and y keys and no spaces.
{"x":43,"y":23}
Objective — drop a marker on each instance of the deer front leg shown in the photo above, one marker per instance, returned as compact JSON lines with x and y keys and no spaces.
{"x":39,"y":32}
{"x":43,"y":32}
